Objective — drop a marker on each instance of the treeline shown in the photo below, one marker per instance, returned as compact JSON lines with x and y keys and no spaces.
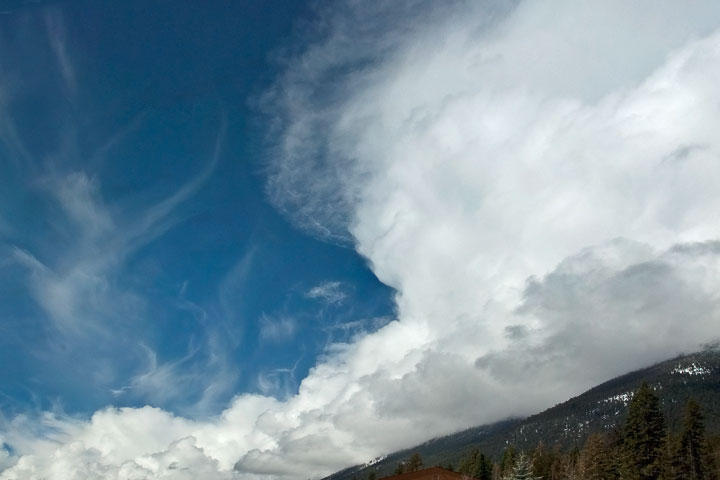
{"x":641,"y":448}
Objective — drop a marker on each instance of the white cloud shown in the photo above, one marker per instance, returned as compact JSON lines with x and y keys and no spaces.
{"x":472,"y":157}
{"x":141,"y":443}
{"x":277,"y":328}
{"x":57,"y":39}
{"x":196,"y":381}
{"x":91,"y":306}
{"x":279,"y":383}
{"x":330,"y":293}
{"x":539,"y":185}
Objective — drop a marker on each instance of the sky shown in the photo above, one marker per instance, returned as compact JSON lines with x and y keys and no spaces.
{"x":269,"y":240}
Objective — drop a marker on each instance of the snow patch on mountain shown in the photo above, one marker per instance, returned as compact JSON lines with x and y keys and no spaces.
{"x":692,"y":369}
{"x":622,"y":397}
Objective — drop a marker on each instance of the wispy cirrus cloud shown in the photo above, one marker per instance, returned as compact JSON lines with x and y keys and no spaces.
{"x":330,"y":293}
{"x":279,"y":383}
{"x":277,"y":328}
{"x":57,"y":39}
{"x":72,"y":247}
{"x":194,"y":383}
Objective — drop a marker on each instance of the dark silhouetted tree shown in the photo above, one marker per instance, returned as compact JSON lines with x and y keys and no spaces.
{"x":477,"y":465}
{"x":484,"y":468}
{"x":693,"y":456}
{"x":643,"y":449}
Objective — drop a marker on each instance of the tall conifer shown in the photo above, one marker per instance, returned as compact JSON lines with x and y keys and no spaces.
{"x":644,"y":437}
{"x":693,"y":455}
{"x":522,"y":470}
{"x":508,"y":460}
{"x":483,"y":468}
{"x":596,"y":459}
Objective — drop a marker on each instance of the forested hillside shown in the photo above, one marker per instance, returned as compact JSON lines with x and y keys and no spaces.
{"x":592,"y":424}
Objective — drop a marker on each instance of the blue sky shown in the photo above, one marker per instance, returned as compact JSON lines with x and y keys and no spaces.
{"x":262,"y":240}
{"x":132,"y":177}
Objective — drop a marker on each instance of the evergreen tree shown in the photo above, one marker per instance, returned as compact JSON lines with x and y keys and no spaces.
{"x":414,"y":463}
{"x":372,"y":476}
{"x":693,"y":456}
{"x":597,"y":459}
{"x":508,"y":460}
{"x":467,"y":465}
{"x":484,"y":468}
{"x":477,"y":465}
{"x":559,"y":468}
{"x":673,"y":466}
{"x":521,"y":470}
{"x":644,"y":437}
{"x":542,"y":461}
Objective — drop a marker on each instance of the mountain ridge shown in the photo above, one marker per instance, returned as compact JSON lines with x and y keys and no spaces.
{"x":569,"y":423}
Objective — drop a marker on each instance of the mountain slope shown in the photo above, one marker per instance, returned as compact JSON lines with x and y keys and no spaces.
{"x":569,"y":423}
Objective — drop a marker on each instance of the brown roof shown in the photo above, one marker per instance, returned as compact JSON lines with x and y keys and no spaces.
{"x":433,"y":473}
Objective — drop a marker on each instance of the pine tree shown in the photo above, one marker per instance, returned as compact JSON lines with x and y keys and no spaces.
{"x":522,"y":470}
{"x":542,"y":461}
{"x":693,"y":456}
{"x":484,"y":468}
{"x":414,"y":463}
{"x":673,"y":466}
{"x":477,"y":465}
{"x":508,"y":460}
{"x":644,"y":437}
{"x":467,"y":465}
{"x":596,"y":459}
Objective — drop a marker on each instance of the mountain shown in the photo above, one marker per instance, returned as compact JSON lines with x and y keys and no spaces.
{"x":568,"y":424}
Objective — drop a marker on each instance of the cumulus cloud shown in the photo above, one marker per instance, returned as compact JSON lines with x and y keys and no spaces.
{"x":118,"y":444}
{"x":537,"y":182}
